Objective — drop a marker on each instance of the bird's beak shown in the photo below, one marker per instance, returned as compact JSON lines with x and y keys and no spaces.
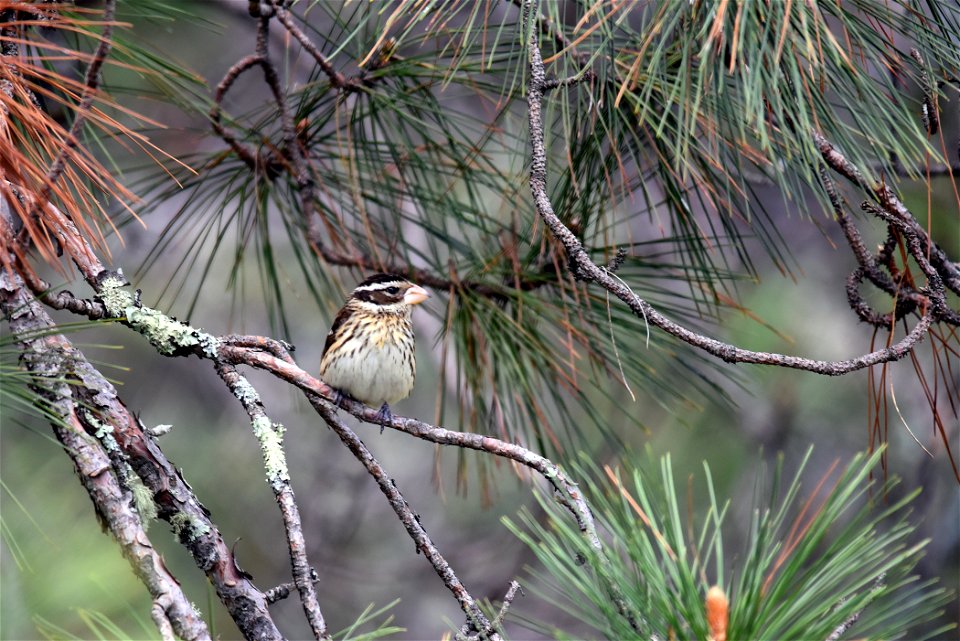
{"x":415,"y":295}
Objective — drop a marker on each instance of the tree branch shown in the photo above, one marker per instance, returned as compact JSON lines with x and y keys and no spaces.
{"x":53,"y":360}
{"x":270,"y":436}
{"x":282,"y":591}
{"x":586,"y":269}
{"x":337,"y":79}
{"x":476,"y":620}
{"x":497,"y":621}
{"x":233,"y":73}
{"x":271,"y":356}
{"x":949,"y":271}
{"x":905,"y":297}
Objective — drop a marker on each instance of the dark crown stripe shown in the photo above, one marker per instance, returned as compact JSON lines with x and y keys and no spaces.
{"x":382,"y":278}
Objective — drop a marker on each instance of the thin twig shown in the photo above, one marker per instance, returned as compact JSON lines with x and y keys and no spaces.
{"x":337,"y":79}
{"x":906,"y":298}
{"x":409,"y":519}
{"x":291,"y":146}
{"x":567,"y":491}
{"x":849,"y":622}
{"x":558,"y":83}
{"x":561,"y":42}
{"x":230,"y":77}
{"x":433,"y":280}
{"x":282,"y":591}
{"x":930,"y":115}
{"x":497,"y":621}
{"x":836,"y":160}
{"x":270,"y":436}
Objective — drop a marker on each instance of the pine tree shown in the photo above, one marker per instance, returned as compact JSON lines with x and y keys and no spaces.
{"x":591,"y":189}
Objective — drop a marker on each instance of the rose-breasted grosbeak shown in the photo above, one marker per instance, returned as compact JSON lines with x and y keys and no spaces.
{"x":369,"y":353}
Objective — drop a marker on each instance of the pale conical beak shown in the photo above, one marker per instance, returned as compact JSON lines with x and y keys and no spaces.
{"x":415,"y":295}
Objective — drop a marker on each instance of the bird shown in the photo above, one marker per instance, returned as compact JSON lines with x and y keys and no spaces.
{"x":369,"y":352}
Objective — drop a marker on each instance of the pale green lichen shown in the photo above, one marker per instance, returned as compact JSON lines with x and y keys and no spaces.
{"x":245,"y":392}
{"x":188,"y":526}
{"x":115,"y":298}
{"x":104,"y":433}
{"x":143,"y":501}
{"x":270,"y":436}
{"x":164,"y":333}
{"x":209,"y":343}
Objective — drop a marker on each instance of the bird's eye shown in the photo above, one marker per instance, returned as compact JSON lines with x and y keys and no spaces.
{"x":393,"y":291}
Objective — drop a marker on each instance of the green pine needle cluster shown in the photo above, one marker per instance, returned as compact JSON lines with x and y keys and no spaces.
{"x":811,"y":559}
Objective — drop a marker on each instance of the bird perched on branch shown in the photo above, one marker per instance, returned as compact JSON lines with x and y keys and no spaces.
{"x":369,"y":354}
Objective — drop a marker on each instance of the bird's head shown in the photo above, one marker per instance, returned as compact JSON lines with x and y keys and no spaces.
{"x":388,"y":293}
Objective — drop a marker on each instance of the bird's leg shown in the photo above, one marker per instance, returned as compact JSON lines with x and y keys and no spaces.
{"x":384,"y":416}
{"x":338,"y":397}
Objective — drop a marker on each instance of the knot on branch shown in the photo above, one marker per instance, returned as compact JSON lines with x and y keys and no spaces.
{"x":617,"y":261}
{"x":728,"y":354}
{"x":271,"y":162}
{"x":260,"y":9}
{"x":579,"y":273}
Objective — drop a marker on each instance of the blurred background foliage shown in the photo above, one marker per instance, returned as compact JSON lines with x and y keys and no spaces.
{"x":687,"y":147}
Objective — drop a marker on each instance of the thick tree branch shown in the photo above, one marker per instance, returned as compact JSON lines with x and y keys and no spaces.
{"x":53,"y":361}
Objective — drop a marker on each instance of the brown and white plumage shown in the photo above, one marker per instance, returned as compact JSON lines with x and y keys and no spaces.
{"x":369,"y":353}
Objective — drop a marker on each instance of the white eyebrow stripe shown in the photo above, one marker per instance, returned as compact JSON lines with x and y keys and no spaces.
{"x":375,"y":287}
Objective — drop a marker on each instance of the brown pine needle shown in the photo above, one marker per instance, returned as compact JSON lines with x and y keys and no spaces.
{"x":615,"y":479}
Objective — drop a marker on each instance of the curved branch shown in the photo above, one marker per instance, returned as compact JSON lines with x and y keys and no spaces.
{"x":949,"y":271}
{"x":337,"y":79}
{"x":587,"y":269}
{"x":235,"y":71}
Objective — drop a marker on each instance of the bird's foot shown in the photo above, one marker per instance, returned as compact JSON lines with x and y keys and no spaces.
{"x":338,"y":397}
{"x":384,"y":416}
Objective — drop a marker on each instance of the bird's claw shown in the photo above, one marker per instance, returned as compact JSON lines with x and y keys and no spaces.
{"x":384,"y":416}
